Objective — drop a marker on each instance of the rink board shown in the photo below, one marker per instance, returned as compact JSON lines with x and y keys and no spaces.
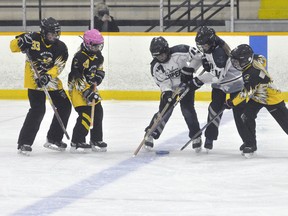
{"x":127,"y":62}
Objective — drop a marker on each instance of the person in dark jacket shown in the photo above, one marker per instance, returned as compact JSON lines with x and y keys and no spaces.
{"x":103,"y":21}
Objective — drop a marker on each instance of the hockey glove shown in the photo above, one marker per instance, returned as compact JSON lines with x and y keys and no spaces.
{"x":195,"y":84}
{"x":228,"y":104}
{"x":98,"y":77}
{"x":206,"y":64}
{"x":186,"y":74}
{"x":43,"y":80}
{"x":89,"y":95}
{"x":24,"y":42}
{"x":167,"y":97}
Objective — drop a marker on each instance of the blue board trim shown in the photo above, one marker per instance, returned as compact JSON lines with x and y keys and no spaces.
{"x":260,"y":45}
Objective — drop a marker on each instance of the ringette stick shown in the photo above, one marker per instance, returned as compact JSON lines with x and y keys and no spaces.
{"x":162,"y":115}
{"x":202,"y":129}
{"x":48,"y":96}
{"x":93,"y":106}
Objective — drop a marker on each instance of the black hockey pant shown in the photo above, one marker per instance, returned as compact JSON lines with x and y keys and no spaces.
{"x":278,"y":111}
{"x":188,"y":112}
{"x":218,"y":99}
{"x":82,"y":126}
{"x":37,"y":111}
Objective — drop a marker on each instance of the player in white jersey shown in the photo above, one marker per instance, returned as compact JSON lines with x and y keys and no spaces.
{"x":225,"y":79}
{"x":169,"y":68}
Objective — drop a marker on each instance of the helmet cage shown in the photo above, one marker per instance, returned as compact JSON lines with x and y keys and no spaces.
{"x":162,"y":57}
{"x":242,"y":56}
{"x":240,"y":64}
{"x":93,"y":40}
{"x":236,"y":64}
{"x":205,"y":39}
{"x":50,"y":30}
{"x":204,"y":48}
{"x":52,"y":36}
{"x":159,"y":49}
{"x":93,"y":48}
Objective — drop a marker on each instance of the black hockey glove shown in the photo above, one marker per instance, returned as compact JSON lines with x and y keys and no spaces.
{"x":187,"y":74}
{"x":24,"y":42}
{"x":89,"y":95}
{"x":205,"y":64}
{"x":195,"y":84}
{"x":167,"y":97}
{"x":43,"y":80}
{"x":98,"y":77}
{"x":228,"y":104}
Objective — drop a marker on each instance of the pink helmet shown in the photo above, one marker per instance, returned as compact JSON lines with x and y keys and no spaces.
{"x":93,"y":36}
{"x":93,"y":40}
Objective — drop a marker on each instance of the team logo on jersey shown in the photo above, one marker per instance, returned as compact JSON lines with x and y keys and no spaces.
{"x":173,"y":73}
{"x":246,"y":77}
{"x":46,"y":61}
{"x":86,"y":64}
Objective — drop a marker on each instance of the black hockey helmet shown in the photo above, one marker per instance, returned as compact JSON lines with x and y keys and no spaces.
{"x":205,"y":39}
{"x":242,"y":56}
{"x":50,"y":30}
{"x":159,"y":49}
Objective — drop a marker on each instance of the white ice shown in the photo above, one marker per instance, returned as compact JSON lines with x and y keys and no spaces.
{"x":116,"y":184}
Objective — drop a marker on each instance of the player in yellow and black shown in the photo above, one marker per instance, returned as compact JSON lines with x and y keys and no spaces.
{"x":49,"y":56}
{"x":260,"y":92}
{"x":86,"y":74}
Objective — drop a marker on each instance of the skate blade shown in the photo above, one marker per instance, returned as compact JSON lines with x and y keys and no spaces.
{"x":98,"y":149}
{"x":79,"y":151}
{"x":54,"y":148}
{"x":148,"y":148}
{"x":198,"y":150}
{"x":24,"y":153}
{"x":248,"y":155}
{"x":208,"y":150}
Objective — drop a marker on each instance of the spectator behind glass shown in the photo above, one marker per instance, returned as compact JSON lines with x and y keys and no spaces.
{"x":103,"y":21}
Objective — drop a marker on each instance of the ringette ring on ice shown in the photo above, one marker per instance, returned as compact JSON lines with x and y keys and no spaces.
{"x":162,"y":152}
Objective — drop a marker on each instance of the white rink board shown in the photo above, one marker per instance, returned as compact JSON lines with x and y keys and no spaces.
{"x":127,"y":60}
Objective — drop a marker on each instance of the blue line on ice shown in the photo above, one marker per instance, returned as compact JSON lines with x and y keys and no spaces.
{"x":62,"y":198}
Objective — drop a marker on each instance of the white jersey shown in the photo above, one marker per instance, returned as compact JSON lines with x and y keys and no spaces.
{"x":222,"y":74}
{"x":167,"y":75}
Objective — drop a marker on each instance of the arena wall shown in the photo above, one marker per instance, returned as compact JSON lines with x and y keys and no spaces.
{"x":127,"y":62}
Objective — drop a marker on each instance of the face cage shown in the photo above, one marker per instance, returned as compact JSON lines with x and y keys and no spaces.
{"x":94,"y":47}
{"x":161,"y":57}
{"x":203,"y":48}
{"x":52,"y":36}
{"x":236,"y":64}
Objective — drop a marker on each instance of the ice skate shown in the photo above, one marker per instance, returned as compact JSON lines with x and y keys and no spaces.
{"x":242,"y":147}
{"x":98,"y":146}
{"x":24,"y":150}
{"x":196,"y":144}
{"x":208,"y":145}
{"x":149,"y":143}
{"x":80,"y":148}
{"x":249,"y":151}
{"x":55,"y":145}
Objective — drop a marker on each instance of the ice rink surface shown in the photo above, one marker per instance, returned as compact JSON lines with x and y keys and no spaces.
{"x":114,"y":183}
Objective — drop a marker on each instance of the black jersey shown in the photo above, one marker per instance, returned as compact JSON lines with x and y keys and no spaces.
{"x":83,"y":69}
{"x":50,"y":59}
{"x":258,"y":85}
